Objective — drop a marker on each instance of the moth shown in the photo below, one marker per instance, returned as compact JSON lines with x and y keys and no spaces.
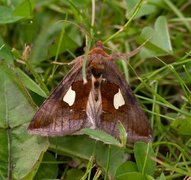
{"x":101,"y":103}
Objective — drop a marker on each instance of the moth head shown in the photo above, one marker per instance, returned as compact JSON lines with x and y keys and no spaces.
{"x":99,"y":44}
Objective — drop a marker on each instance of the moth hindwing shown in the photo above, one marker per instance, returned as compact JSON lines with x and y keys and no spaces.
{"x":101,"y":103}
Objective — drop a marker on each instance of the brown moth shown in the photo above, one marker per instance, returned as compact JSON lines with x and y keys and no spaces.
{"x":101,"y":103}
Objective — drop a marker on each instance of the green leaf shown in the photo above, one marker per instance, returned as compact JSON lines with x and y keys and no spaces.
{"x":122,"y":134}
{"x":48,"y":168}
{"x":160,"y":43}
{"x":3,"y":154}
{"x":129,"y":170}
{"x":24,"y":9}
{"x":126,"y":167}
{"x":74,"y":174}
{"x":34,"y":169}
{"x":101,"y":136}
{"x":30,"y":84}
{"x":19,"y":151}
{"x":131,"y":175}
{"x":5,"y":52}
{"x":182,"y":126}
{"x":26,"y":151}
{"x":6,"y":15}
{"x":14,"y":103}
{"x":48,"y":40}
{"x":84,"y":147}
{"x":143,"y":154}
{"x":66,"y":44}
{"x":147,"y":8}
{"x":162,"y":177}
{"x":117,"y":157}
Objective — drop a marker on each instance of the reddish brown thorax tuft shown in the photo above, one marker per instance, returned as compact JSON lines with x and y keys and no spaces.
{"x":98,"y":49}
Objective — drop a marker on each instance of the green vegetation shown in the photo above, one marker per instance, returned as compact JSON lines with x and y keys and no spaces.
{"x":38,"y":38}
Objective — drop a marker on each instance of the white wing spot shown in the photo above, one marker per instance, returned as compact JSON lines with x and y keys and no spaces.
{"x":118,"y":100}
{"x":70,"y":96}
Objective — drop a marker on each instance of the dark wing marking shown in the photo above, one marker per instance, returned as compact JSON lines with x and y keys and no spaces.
{"x":55,"y":117}
{"x":131,"y":115}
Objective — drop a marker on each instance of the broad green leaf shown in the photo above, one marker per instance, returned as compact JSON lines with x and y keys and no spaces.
{"x":117,"y":157}
{"x":74,"y":174}
{"x":30,"y":84}
{"x":4,"y":161}
{"x":34,"y":169}
{"x":73,"y":145}
{"x":48,"y":168}
{"x":101,"y":136}
{"x":46,"y":43}
{"x":5,"y":52}
{"x":26,"y":151}
{"x":67,"y":43}
{"x":83,"y":147}
{"x":129,"y":169}
{"x":182,"y":126}
{"x":6,"y":15}
{"x":143,"y":154}
{"x":19,"y":151}
{"x":162,"y":177}
{"x":45,"y":38}
{"x":126,"y":167}
{"x":15,"y":109}
{"x":159,"y":44}
{"x":146,"y":9}
{"x":24,"y":9}
{"x":131,"y":175}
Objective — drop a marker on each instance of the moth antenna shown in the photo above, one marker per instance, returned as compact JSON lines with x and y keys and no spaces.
{"x":130,"y":54}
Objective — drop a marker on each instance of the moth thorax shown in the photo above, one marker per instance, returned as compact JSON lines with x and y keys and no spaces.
{"x":97,"y":68}
{"x":94,"y":104}
{"x":96,"y":83}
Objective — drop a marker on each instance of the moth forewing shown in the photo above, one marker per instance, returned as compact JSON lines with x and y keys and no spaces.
{"x":55,"y":117}
{"x":130,"y":114}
